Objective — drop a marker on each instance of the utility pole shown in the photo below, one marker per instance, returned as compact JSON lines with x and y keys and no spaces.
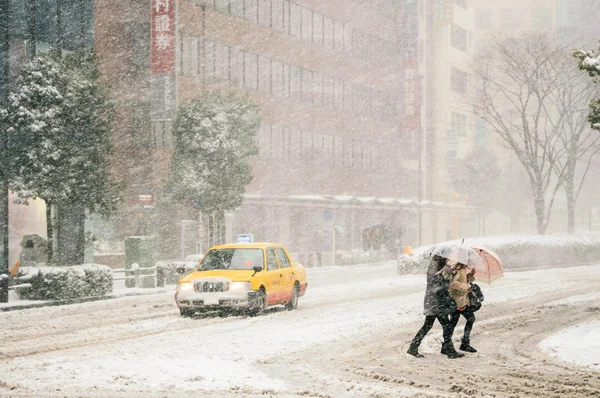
{"x":4,"y":175}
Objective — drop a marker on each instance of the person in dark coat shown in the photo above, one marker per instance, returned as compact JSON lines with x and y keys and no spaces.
{"x":475,"y":299}
{"x":439,"y":305}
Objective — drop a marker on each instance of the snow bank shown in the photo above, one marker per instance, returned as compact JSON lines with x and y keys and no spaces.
{"x":519,"y":252}
{"x":579,"y":345}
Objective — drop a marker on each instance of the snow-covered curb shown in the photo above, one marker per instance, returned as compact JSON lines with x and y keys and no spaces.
{"x":579,"y":345}
{"x":16,"y":304}
{"x":520,"y":252}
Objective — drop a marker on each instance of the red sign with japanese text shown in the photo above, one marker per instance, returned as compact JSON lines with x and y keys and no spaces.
{"x":163,"y":36}
{"x":411,"y":100}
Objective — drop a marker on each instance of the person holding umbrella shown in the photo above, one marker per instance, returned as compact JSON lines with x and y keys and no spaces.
{"x":438,"y":304}
{"x":468,"y":312}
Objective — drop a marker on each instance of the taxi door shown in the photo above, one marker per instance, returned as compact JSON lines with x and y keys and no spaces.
{"x":287,"y":274}
{"x":274,"y":278}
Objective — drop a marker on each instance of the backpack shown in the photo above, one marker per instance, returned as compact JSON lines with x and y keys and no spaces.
{"x":475,"y":297}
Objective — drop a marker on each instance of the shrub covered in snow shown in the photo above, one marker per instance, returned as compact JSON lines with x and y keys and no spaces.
{"x":59,"y":283}
{"x":173,"y":270}
{"x":521,"y":252}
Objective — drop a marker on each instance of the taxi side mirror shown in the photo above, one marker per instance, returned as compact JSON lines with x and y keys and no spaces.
{"x":257,"y":268}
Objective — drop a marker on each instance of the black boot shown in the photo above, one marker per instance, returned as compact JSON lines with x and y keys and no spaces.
{"x":450,"y":352}
{"x":466,"y":346}
{"x":414,"y":351}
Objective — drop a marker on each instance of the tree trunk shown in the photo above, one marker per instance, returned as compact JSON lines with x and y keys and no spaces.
{"x":71,"y":228}
{"x":570,"y":194}
{"x":540,"y":209}
{"x":49,"y":231}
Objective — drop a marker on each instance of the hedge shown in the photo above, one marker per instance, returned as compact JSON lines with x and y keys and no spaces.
{"x":173,"y":270}
{"x":59,"y":283}
{"x":520,"y":252}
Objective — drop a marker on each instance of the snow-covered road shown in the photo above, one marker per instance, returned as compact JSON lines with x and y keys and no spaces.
{"x":347,"y":338}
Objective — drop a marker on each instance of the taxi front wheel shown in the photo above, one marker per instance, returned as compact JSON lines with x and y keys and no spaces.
{"x":260,"y":303}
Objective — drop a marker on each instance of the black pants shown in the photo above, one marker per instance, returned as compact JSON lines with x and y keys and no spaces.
{"x":470,"y":317}
{"x":447,"y":326}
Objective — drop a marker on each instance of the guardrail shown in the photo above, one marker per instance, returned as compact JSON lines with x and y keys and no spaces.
{"x":133,"y":276}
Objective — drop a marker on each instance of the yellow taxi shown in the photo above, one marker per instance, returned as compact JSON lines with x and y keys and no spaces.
{"x":242,"y":276}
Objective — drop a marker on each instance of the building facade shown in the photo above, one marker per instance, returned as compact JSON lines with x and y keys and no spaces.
{"x":338,"y":91}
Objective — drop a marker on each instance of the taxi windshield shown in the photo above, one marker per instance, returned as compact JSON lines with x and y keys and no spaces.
{"x":232,"y":259}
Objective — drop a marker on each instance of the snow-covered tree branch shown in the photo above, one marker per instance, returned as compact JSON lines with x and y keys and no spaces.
{"x":215,"y":138}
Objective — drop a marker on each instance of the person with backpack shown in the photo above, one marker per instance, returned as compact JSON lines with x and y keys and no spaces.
{"x":475,"y":299}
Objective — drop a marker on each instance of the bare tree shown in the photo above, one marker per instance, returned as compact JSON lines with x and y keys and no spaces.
{"x":578,"y":143}
{"x":522,"y":87}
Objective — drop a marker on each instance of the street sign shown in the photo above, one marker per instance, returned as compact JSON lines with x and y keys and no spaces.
{"x":244,"y":238}
{"x":328,"y":215}
{"x":195,"y":204}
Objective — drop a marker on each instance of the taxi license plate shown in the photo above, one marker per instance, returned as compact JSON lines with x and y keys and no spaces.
{"x":211,"y":301}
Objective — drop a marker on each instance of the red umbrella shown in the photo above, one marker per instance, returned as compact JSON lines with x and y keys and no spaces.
{"x":490,"y":268}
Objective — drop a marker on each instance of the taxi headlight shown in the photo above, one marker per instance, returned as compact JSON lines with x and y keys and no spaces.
{"x":185,"y":287}
{"x":240,"y":286}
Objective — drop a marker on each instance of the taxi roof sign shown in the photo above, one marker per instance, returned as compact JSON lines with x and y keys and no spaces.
{"x":244,"y":238}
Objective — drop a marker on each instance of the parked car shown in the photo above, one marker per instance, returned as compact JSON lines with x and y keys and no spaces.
{"x":245,"y":277}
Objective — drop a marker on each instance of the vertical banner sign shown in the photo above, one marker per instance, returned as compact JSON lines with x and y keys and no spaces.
{"x":163,"y":69}
{"x":445,"y":11}
{"x":163,"y":36}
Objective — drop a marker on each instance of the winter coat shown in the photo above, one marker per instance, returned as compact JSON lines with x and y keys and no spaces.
{"x":437,"y":297}
{"x":459,"y":288}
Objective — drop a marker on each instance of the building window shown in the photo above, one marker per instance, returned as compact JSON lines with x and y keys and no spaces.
{"x":338,"y":94}
{"x":510,"y":19}
{"x":286,"y":17}
{"x":296,"y":83}
{"x":317,"y":88}
{"x":264,"y":74}
{"x":458,"y":81}
{"x":277,"y":78}
{"x":481,"y":131}
{"x":236,"y":67}
{"x":307,"y":85}
{"x":459,"y":124}
{"x":237,"y":9}
{"x":328,"y":32}
{"x":541,"y":18}
{"x":483,"y":19}
{"x":462,"y":3}
{"x":296,"y":143}
{"x":264,"y":13}
{"x":459,"y":38}
{"x":307,"y":144}
{"x":307,"y":24}
{"x":451,"y":144}
{"x":250,"y":71}
{"x":295,"y":20}
{"x":251,"y":10}
{"x":318,"y":28}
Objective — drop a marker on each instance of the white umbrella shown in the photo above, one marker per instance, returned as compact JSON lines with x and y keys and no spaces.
{"x":459,"y":253}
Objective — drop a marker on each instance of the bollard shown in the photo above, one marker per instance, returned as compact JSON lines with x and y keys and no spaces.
{"x":135,"y":267}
